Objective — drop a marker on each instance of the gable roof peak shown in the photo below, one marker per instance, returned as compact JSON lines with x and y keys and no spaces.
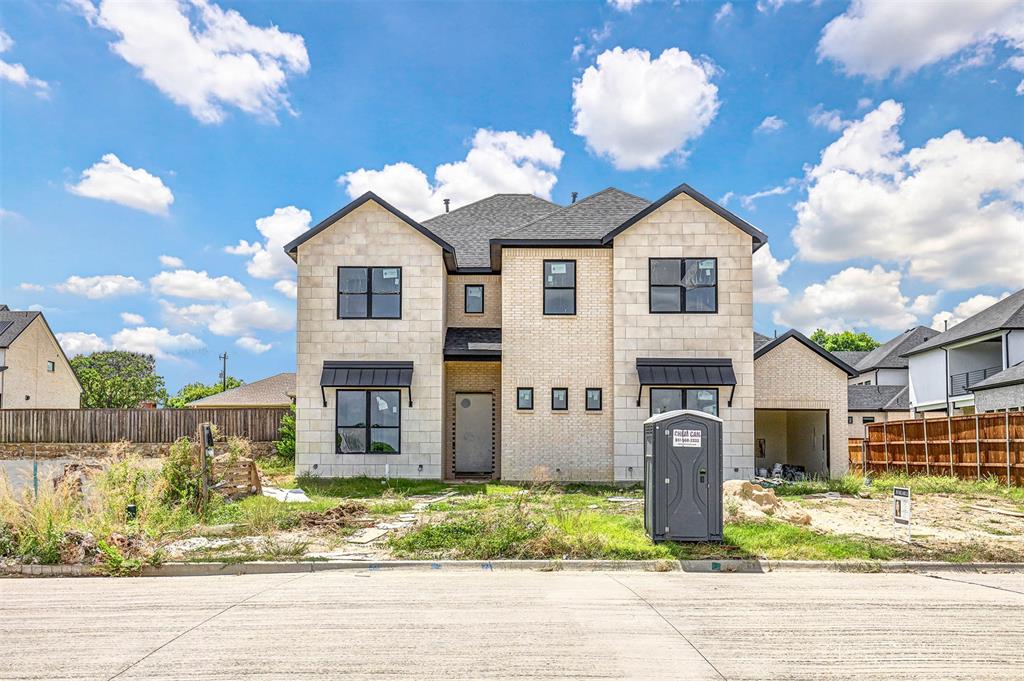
{"x":809,"y":344}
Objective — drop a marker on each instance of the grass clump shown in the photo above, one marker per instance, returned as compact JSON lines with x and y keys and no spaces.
{"x":989,"y":486}
{"x":848,"y":484}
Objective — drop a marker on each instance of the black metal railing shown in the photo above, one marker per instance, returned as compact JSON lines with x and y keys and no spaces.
{"x":959,"y":383}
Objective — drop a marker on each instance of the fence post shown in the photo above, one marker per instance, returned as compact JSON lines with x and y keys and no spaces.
{"x":927,"y":461}
{"x":906,"y":456}
{"x":949,"y":440}
{"x":1006,"y":428}
{"x":977,"y":443}
{"x":864,"y":457}
{"x":885,"y":441}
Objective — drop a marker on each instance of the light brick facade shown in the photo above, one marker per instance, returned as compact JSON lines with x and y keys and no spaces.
{"x":471,"y":377}
{"x":683,"y":228}
{"x":27,"y":383}
{"x":791,"y":376}
{"x":549,"y":351}
{"x":491,"y":316}
{"x":370,"y":236}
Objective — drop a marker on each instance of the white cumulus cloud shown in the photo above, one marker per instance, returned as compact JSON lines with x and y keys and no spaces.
{"x":952,"y":209}
{"x":854,"y":298}
{"x":875,"y":38}
{"x":160,"y":343}
{"x":28,"y":286}
{"x":198,"y":285}
{"x":203,"y":57}
{"x":100,"y":286}
{"x":79,"y":343}
{"x":288,"y":288}
{"x":625,"y":5}
{"x":171,"y":261}
{"x":636,"y":111}
{"x":497,"y":162}
{"x":132,"y":319}
{"x":111,"y":180}
{"x":268,"y":259}
{"x":724,"y":12}
{"x":830,"y":119}
{"x":242,"y":319}
{"x":16,"y":73}
{"x":965,"y":309}
{"x":767,"y":270}
{"x":253,"y":345}
{"x":770,"y":124}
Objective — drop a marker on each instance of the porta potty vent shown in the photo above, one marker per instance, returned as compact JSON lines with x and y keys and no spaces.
{"x":683,"y":476}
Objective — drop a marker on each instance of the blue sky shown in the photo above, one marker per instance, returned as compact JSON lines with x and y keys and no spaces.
{"x":885,"y":164}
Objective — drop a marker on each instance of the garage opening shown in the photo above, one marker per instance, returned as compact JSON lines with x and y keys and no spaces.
{"x":791,"y":443}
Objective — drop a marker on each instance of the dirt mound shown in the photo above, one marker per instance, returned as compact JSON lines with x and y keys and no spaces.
{"x":746,"y":501}
{"x":346,"y":514}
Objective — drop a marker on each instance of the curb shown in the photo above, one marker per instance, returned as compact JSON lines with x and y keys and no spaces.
{"x":689,"y":566}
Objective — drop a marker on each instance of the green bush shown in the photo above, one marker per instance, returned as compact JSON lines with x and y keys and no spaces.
{"x":181,"y":476}
{"x":286,"y":445}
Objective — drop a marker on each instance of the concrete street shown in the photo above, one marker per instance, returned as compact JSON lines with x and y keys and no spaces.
{"x":469,"y":625}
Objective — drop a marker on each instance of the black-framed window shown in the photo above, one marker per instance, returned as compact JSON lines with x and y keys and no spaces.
{"x":849,"y":419}
{"x":368,"y":422}
{"x":474,"y":299}
{"x":867,"y":419}
{"x":559,"y":399}
{"x":524,"y":398}
{"x":683,"y":285}
{"x":51,"y":366}
{"x":369,"y":293}
{"x":671,"y":399}
{"x":594,"y":399}
{"x":560,"y":287}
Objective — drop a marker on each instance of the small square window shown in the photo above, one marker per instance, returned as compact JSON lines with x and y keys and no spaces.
{"x":474,"y":299}
{"x":594,"y":399}
{"x":51,"y":367}
{"x":559,"y":399}
{"x":524,"y":398}
{"x":849,"y":419}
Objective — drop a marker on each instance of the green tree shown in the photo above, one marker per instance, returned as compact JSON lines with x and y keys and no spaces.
{"x":197,"y":391}
{"x":844,"y":340}
{"x":286,"y":445}
{"x":117,"y":379}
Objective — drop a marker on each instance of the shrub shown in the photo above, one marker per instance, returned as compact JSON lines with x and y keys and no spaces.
{"x":180,"y":475}
{"x":114,"y":562}
{"x":38,"y":522}
{"x":286,"y":445}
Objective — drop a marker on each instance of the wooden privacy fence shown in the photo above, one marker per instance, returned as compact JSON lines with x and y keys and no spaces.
{"x":969,"y":447}
{"x":134,"y":425}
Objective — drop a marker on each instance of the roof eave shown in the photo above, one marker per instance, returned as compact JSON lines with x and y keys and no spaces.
{"x":811,"y":345}
{"x":497,"y":244}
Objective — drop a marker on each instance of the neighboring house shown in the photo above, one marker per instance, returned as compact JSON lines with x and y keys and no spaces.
{"x":944,"y":369}
{"x":876,"y":404}
{"x":800,"y":405}
{"x":274,"y":391}
{"x":517,"y":338}
{"x":1002,"y":392}
{"x":34,"y":372}
{"x":887,"y":364}
{"x":851,"y":357}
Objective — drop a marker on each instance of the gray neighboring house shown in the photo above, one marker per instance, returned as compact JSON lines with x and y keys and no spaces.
{"x":875,"y":404}
{"x":945,"y":370}
{"x":274,"y":391}
{"x":34,"y":371}
{"x":887,"y":364}
{"x":1002,"y":392}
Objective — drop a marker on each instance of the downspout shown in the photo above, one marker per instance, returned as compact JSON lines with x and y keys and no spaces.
{"x":948,"y":406}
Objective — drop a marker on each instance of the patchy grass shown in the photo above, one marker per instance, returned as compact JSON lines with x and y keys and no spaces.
{"x":945,"y":484}
{"x":777,"y":540}
{"x":848,"y":484}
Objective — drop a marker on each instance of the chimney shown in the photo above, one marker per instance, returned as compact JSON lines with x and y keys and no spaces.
{"x":446,"y":202}
{"x":574,"y":195}
{"x":945,"y":325}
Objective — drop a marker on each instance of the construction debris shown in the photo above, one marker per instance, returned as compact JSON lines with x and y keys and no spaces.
{"x":745,"y":501}
{"x":237,"y":476}
{"x":344,"y":515}
{"x":367,"y":535}
{"x":1000,"y":511}
{"x":292,"y":496}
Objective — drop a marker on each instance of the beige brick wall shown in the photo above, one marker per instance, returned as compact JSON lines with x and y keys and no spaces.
{"x":683,"y":228}
{"x":470,"y":377}
{"x":26,"y":374}
{"x":792,"y":376}
{"x":491,"y":317}
{"x":545,"y":352}
{"x":370,"y":236}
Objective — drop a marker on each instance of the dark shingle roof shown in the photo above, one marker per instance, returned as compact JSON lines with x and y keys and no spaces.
{"x":851,"y":357}
{"x":273,"y":391}
{"x":1011,"y":376}
{"x":471,"y":227}
{"x":12,"y":323}
{"x":890,"y":354}
{"x":760,"y":340}
{"x":472,"y":342}
{"x":1008,"y":313}
{"x":878,"y":398}
{"x":589,"y":218}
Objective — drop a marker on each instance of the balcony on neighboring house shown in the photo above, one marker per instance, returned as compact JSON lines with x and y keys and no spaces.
{"x":959,"y":383}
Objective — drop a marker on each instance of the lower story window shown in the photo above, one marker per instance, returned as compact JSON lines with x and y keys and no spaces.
{"x":369,"y":422}
{"x":697,"y":399}
{"x":868,"y":419}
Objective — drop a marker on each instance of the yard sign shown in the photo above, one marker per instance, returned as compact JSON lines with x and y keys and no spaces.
{"x":901,"y":508}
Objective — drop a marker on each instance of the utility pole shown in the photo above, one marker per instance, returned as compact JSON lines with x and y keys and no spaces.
{"x":224,"y":372}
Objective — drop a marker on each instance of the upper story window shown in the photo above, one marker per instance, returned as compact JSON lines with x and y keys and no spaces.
{"x":51,"y":367}
{"x":679,"y":285}
{"x":560,"y":287}
{"x":474,"y":299}
{"x":369,"y":293}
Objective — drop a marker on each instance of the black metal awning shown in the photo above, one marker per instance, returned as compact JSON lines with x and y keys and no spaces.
{"x":692,"y":371}
{"x":356,"y":374}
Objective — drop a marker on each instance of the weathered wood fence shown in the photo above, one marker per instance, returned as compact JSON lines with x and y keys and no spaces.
{"x":134,"y":425}
{"x":969,"y":447}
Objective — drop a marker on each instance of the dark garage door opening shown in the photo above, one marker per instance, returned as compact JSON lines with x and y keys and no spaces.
{"x":792,"y":436}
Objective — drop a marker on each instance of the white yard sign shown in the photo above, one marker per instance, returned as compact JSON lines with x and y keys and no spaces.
{"x":901,"y":508}
{"x":686,"y":438}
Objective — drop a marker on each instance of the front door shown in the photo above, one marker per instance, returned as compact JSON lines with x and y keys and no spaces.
{"x":474,"y":439}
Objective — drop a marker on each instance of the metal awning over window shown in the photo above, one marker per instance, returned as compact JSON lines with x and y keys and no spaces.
{"x":366,"y":375}
{"x":695,"y":371}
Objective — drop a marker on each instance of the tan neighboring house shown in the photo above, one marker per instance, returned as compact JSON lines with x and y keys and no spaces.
{"x":800,"y":405}
{"x":520,"y":339}
{"x":34,"y":372}
{"x":274,"y":391}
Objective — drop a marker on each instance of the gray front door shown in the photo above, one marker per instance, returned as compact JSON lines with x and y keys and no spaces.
{"x":686,"y":478}
{"x":474,"y":439}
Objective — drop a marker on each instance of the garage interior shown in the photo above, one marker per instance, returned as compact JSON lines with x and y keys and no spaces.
{"x":791,"y":437}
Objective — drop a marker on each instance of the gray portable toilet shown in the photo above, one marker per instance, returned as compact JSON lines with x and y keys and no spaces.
{"x":683,"y":476}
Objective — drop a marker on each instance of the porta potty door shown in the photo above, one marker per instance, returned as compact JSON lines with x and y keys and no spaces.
{"x":691,"y":474}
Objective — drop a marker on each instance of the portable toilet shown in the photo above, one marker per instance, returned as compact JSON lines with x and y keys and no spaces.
{"x":683,"y":476}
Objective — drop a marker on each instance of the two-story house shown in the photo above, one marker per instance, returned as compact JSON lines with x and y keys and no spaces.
{"x":946,"y":370}
{"x":521,"y":339}
{"x":34,"y":372}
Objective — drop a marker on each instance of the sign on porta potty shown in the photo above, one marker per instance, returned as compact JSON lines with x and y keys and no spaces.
{"x":685,"y":438}
{"x":901,"y":508}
